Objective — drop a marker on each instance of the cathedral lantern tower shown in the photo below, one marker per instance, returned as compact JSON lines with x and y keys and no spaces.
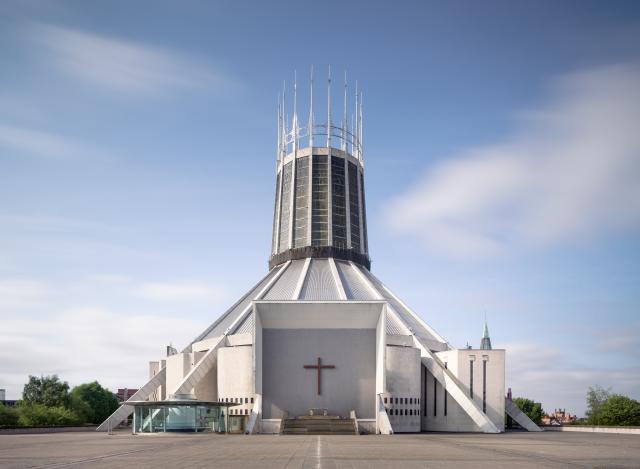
{"x":320,"y":207}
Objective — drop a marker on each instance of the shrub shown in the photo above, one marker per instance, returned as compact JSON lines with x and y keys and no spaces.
{"x":8,"y":416}
{"x":532,"y":409}
{"x":620,"y":410}
{"x":33,"y":415}
{"x":100,"y":402}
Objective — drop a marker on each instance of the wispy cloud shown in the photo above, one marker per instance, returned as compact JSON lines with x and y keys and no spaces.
{"x":546,"y":375}
{"x":619,"y":340}
{"x":23,"y":140}
{"x":17,"y":294}
{"x":180,"y":292}
{"x":570,"y":171}
{"x":88,"y":343}
{"x":126,"y":66}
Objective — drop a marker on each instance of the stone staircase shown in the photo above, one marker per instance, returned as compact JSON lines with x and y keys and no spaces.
{"x":318,"y":425}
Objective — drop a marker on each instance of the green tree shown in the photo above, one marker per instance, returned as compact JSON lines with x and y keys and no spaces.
{"x":619,"y":410}
{"x":101,"y":402}
{"x":596,"y":397}
{"x":532,"y":409}
{"x":34,"y":415}
{"x":46,"y":390}
{"x":8,"y":416}
{"x":81,"y":408}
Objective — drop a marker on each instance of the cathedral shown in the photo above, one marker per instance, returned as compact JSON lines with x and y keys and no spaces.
{"x":320,"y":343}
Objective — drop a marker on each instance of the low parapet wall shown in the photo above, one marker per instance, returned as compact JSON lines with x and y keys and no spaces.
{"x":591,"y":429}
{"x":26,"y":430}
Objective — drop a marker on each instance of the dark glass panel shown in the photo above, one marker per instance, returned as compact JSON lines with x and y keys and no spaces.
{"x":320,"y":201}
{"x":338,"y":207}
{"x":274,"y":246}
{"x":365,"y":244}
{"x":302,"y":202}
{"x":354,"y":214}
{"x":285,"y":207}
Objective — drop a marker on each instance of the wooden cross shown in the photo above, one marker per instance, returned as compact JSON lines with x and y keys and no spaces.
{"x":319,"y":367}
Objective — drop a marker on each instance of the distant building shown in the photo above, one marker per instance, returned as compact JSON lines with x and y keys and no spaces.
{"x":124,"y":394}
{"x":4,"y":401}
{"x":559,"y":417}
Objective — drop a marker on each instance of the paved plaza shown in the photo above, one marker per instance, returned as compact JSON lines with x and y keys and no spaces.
{"x":427,"y":450}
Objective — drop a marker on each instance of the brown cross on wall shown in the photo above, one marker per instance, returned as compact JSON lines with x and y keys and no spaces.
{"x":319,"y":367}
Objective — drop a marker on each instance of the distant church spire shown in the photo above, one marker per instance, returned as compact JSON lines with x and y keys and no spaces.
{"x":485,"y":343}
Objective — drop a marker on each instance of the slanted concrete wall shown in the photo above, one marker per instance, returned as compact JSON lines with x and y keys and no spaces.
{"x":459,"y":363}
{"x":207,"y":388}
{"x":177,"y":368}
{"x":235,"y":377}
{"x":403,"y":388}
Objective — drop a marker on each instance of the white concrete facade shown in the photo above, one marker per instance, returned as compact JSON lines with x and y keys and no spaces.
{"x":371,"y":364}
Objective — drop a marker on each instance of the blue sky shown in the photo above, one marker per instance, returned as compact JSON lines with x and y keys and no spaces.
{"x":502,"y":159}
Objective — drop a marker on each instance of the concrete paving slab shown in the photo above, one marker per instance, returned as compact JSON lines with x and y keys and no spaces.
{"x":426,"y":450}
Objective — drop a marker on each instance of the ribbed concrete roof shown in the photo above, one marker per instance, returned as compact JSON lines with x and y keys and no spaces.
{"x":325,"y":280}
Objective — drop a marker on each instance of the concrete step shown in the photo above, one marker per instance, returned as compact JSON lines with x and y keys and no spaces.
{"x":319,"y":426}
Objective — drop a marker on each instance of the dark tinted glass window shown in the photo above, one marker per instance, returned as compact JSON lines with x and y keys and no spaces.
{"x":320,"y":203}
{"x":364,"y":216}
{"x":285,"y":205}
{"x":302,"y":202}
{"x":274,"y":246}
{"x":354,"y":211}
{"x":338,"y":208}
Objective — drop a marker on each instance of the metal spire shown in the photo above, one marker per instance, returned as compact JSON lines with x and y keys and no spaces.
{"x":294,"y":124}
{"x":284,"y":123}
{"x":352,"y":137}
{"x":344,"y":117}
{"x":485,"y":343}
{"x":360,"y":136}
{"x":279,"y":131}
{"x":329,"y":109}
{"x":356,"y":136}
{"x":310,"y":127}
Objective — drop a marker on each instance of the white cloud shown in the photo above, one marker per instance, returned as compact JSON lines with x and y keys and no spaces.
{"x":46,"y":144}
{"x":545,"y":374}
{"x":569,"y":172}
{"x":48,"y":328}
{"x":179,"y":292}
{"x":125,"y":66}
{"x":84,"y":344}
{"x":18,"y":294}
{"x":619,"y":340}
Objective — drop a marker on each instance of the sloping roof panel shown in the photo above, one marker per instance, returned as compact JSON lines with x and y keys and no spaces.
{"x":284,"y":287}
{"x":319,"y":284}
{"x":224,"y":321}
{"x":354,"y":286}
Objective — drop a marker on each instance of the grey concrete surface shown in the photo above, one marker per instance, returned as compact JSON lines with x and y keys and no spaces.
{"x":431,"y":450}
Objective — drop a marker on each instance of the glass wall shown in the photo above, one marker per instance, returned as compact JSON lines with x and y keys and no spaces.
{"x":338,"y":206}
{"x":307,"y":190}
{"x":354,"y":211}
{"x":302,"y":202}
{"x":182,"y":418}
{"x":274,"y":247}
{"x":365,"y":244}
{"x":285,"y":207}
{"x":320,"y":204}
